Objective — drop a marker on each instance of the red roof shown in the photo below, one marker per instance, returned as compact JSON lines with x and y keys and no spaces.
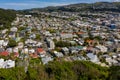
{"x":4,"y":53}
{"x":16,"y":54}
{"x":89,"y":48}
{"x":40,"y":50}
{"x":90,"y":41}
{"x":34,"y":55}
{"x":80,"y":32}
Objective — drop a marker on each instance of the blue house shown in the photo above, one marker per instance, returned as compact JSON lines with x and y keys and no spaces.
{"x":112,"y":26}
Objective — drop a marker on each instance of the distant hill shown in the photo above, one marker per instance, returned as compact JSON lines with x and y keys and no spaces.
{"x":98,"y":6}
{"x":6,"y":17}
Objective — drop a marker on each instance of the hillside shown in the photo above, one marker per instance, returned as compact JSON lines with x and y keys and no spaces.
{"x":78,"y":70}
{"x":6,"y":17}
{"x":98,"y":6}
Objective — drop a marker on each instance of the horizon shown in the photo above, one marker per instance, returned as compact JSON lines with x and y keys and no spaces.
{"x":28,"y":4}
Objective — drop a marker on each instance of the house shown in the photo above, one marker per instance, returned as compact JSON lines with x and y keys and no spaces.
{"x":16,"y":54}
{"x":102,"y":48}
{"x":94,"y":28}
{"x":66,"y":35}
{"x":111,"y":61}
{"x":2,"y":49}
{"x":39,"y":44}
{"x":65,"y":50}
{"x":47,"y":33}
{"x":51,"y":44}
{"x":28,"y":16}
{"x":5,"y":43}
{"x":30,"y":42}
{"x":118,"y":55}
{"x":46,"y":59}
{"x":1,"y":42}
{"x":81,"y":57}
{"x":1,"y":63}
{"x":21,"y":34}
{"x":12,"y":35}
{"x":25,"y":50}
{"x":90,"y":42}
{"x":10,"y":50}
{"x":20,"y":45}
{"x":14,"y":29}
{"x":72,"y":42}
{"x":7,"y":63}
{"x":33,"y":36}
{"x":84,"y":35}
{"x":34,"y":55}
{"x":79,"y":48}
{"x":108,"y":59}
{"x":4,"y":31}
{"x":58,"y":54}
{"x":73,"y":50}
{"x":40,"y":51}
{"x":4,"y":53}
{"x":15,"y":49}
{"x":31,"y":51}
{"x":92,"y":57}
{"x":114,"y":56}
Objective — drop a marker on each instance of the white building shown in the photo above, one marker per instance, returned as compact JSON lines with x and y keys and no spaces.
{"x":93,"y":58}
{"x":51,"y":44}
{"x":58,"y":54}
{"x":14,"y":29}
{"x":46,"y":59}
{"x":1,"y":63}
{"x":28,"y":16}
{"x":7,"y":63}
{"x":1,"y":42}
{"x":102,"y":48}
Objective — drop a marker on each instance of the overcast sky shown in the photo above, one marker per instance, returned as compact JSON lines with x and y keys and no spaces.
{"x":27,"y":4}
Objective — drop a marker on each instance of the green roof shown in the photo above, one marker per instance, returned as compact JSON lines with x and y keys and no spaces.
{"x":80,"y":47}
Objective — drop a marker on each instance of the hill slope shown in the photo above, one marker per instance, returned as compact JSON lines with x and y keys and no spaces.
{"x":6,"y":17}
{"x":98,"y":6}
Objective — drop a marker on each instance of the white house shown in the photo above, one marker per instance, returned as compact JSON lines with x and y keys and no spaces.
{"x":1,"y":63}
{"x":93,"y":58}
{"x":51,"y":44}
{"x":58,"y":54}
{"x":102,"y":48}
{"x":7,"y":63}
{"x":14,"y":29}
{"x":1,"y":42}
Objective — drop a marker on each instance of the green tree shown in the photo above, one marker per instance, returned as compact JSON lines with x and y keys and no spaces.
{"x":12,"y":43}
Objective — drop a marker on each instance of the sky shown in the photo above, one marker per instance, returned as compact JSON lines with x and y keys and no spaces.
{"x":27,"y":4}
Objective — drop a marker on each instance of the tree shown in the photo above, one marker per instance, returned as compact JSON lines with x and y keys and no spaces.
{"x":12,"y":43}
{"x":114,"y":73}
{"x":62,"y":44}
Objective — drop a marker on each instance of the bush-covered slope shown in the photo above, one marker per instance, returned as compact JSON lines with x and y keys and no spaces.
{"x":6,"y":17}
{"x":78,"y":70}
